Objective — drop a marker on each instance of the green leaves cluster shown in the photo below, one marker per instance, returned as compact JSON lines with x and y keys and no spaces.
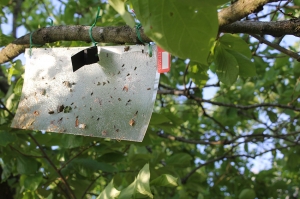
{"x":232,"y":58}
{"x":189,"y":30}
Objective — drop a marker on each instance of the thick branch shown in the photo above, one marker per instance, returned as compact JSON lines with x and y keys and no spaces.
{"x":239,"y":10}
{"x":117,"y":35}
{"x":274,"y":28}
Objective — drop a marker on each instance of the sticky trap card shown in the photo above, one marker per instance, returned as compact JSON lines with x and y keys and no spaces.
{"x":113,"y":98}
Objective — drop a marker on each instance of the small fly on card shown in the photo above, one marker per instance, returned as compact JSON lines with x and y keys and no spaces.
{"x":163,"y":60}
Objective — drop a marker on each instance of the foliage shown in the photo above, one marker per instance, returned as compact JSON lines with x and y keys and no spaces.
{"x":196,"y":146}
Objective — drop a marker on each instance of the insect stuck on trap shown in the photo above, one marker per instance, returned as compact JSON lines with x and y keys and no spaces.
{"x":82,"y":126}
{"x":132,"y":122}
{"x":126,"y":48}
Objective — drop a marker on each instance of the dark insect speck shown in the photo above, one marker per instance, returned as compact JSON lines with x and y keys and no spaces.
{"x":60,"y":108}
{"x":126,"y":48}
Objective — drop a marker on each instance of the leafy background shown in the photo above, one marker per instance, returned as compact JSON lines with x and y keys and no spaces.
{"x":196,"y":146}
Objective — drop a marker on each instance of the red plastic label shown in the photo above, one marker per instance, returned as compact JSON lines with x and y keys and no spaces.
{"x":163,"y":60}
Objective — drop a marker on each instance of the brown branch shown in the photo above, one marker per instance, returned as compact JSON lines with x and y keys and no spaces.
{"x":117,"y":35}
{"x":244,"y":107}
{"x":89,"y":186}
{"x":239,"y":10}
{"x":16,"y":11}
{"x":274,"y":28}
{"x":279,"y":48}
{"x":2,"y":106}
{"x":181,"y":139}
{"x":184,"y":179}
{"x":259,"y":154}
{"x":54,"y":167}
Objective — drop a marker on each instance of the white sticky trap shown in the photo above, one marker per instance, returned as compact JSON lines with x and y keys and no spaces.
{"x":113,"y":98}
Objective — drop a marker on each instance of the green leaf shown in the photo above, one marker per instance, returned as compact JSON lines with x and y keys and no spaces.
{"x":293,"y":161}
{"x":158,"y":119}
{"x":246,"y":66}
{"x":140,"y":187}
{"x":179,"y":159}
{"x":198,"y":73}
{"x":259,"y":131}
{"x":71,"y":141}
{"x":226,"y":66}
{"x":26,"y":165}
{"x":186,"y":29}
{"x":272,"y":116}
{"x":165,"y":180}
{"x":109,"y":192}
{"x":31,"y":182}
{"x":119,"y":6}
{"x":5,"y":39}
{"x":128,"y":191}
{"x":235,"y":43}
{"x":18,"y":87}
{"x":142,"y":183}
{"x":113,"y":157}
{"x":247,"y":194}
{"x":85,"y":165}
{"x":7,"y":138}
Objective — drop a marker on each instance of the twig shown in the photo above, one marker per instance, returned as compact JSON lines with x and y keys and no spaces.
{"x":215,"y":121}
{"x":75,"y":156}
{"x":184,"y":179}
{"x":54,"y":167}
{"x":277,"y":47}
{"x":181,"y":139}
{"x":184,"y":76}
{"x":89,"y":186}
{"x":2,"y":106}
{"x":33,"y":156}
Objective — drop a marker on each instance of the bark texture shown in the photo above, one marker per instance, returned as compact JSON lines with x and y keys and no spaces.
{"x":239,"y":10}
{"x":116,"y":35}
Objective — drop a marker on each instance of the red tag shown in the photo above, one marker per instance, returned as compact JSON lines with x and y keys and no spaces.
{"x":163,"y":60}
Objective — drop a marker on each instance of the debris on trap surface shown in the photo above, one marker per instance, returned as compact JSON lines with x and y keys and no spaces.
{"x":113,"y":98}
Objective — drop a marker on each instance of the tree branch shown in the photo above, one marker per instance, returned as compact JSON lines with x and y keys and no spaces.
{"x":238,"y":106}
{"x":279,"y":48}
{"x":181,"y":139}
{"x":75,"y":156}
{"x":274,"y":28}
{"x":2,"y":106}
{"x":117,"y":35}
{"x":54,"y":167}
{"x":239,"y":10}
